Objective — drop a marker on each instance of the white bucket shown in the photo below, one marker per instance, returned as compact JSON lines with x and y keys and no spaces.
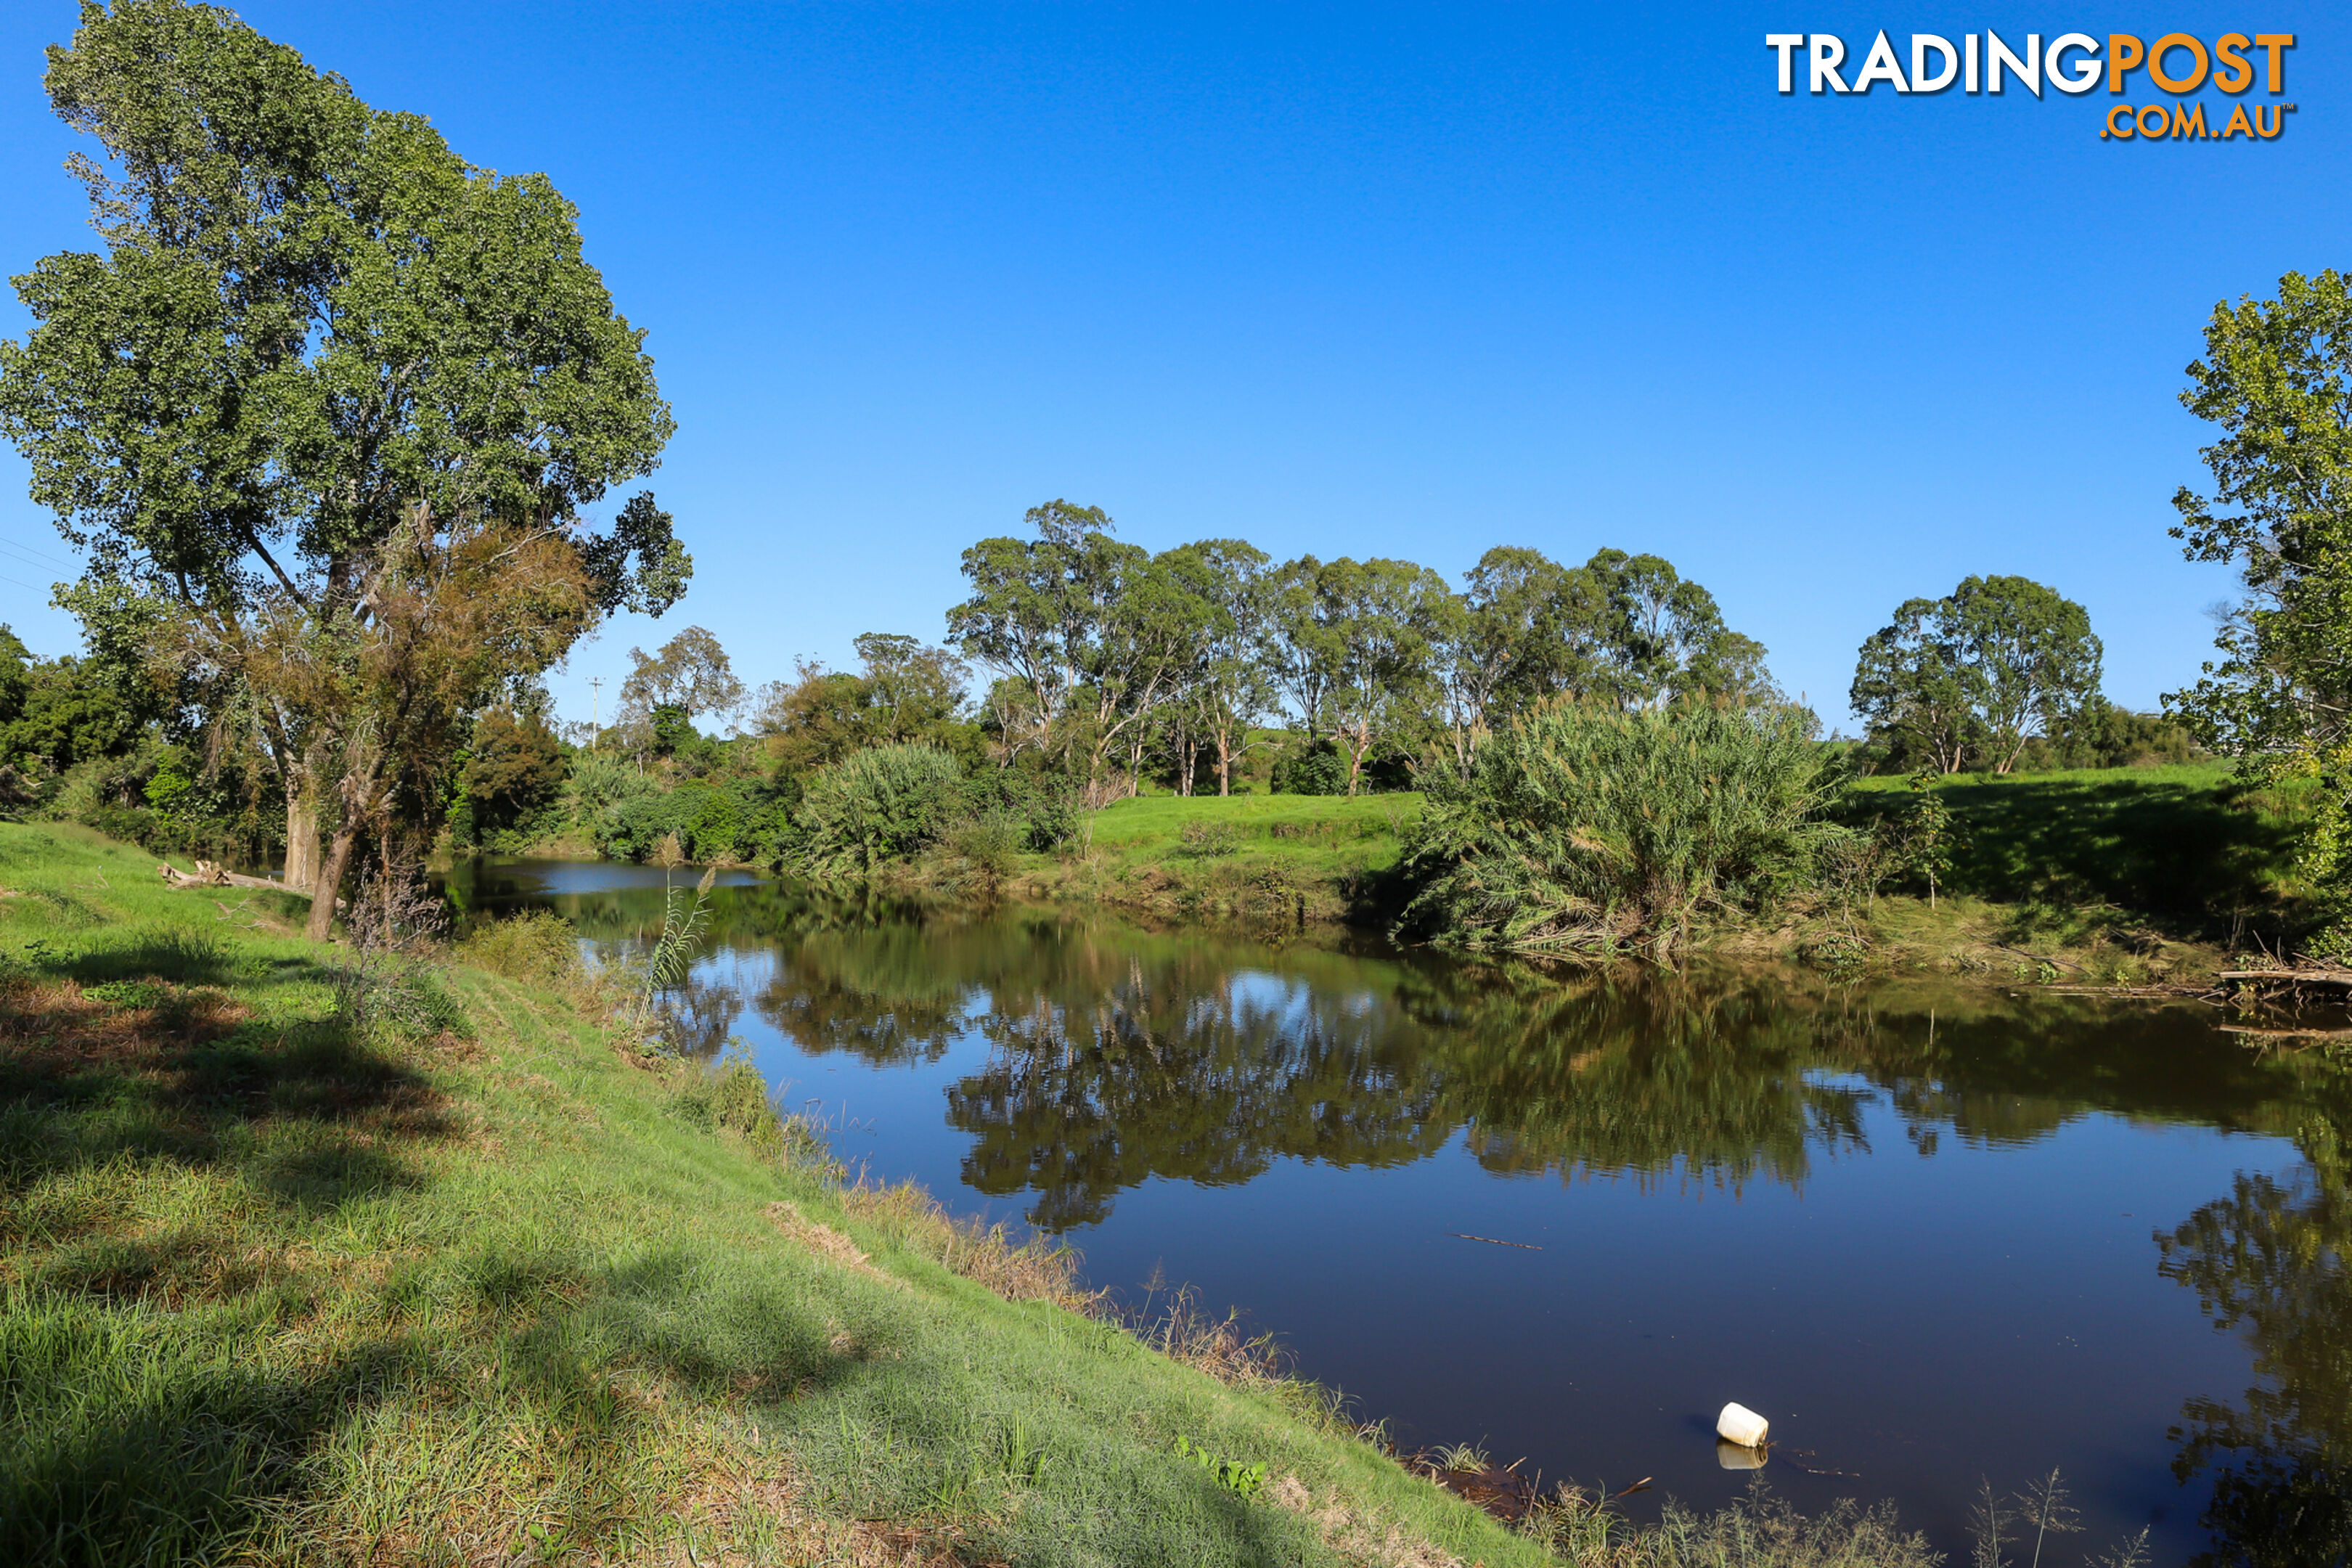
{"x":1739,"y":1425}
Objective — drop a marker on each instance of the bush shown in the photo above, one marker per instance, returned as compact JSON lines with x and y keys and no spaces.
{"x":989,"y":845}
{"x":384,"y":997}
{"x":872,"y":807}
{"x":1584,"y":827}
{"x":1046,"y":806}
{"x":539,"y":947}
{"x":1316,"y":769}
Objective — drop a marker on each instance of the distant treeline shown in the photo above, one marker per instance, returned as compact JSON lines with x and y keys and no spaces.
{"x":1082,"y":668}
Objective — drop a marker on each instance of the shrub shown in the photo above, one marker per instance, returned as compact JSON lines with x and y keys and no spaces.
{"x":1582,"y":827}
{"x":1204,"y":840}
{"x":1045,"y":806}
{"x":874,"y":807}
{"x":539,"y":947}
{"x":989,"y":845}
{"x":1315,"y":769}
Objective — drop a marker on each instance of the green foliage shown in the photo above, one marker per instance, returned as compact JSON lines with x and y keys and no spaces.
{"x":1311,"y":767}
{"x":514,"y":772}
{"x":2193,"y":849}
{"x":538,"y":946}
{"x":2276,"y":378}
{"x":1979,"y":673}
{"x":1204,"y":840}
{"x":872,"y":807}
{"x":1877,"y":840}
{"x":55,"y":715}
{"x":689,"y":676}
{"x":1581,"y":826}
{"x":737,"y":818}
{"x":906,"y":693}
{"x":322,"y":411}
{"x":1244,"y":1481}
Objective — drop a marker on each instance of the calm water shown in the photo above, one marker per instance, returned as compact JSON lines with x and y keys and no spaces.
{"x":1938,"y":1238}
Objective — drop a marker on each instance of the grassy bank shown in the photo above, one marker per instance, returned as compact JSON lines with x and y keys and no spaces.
{"x":2121,"y":876}
{"x":1271,"y":856}
{"x":303,"y":1265}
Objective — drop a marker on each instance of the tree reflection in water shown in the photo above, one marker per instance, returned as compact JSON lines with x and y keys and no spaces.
{"x":1115,"y":1055}
{"x":2270,"y":1261}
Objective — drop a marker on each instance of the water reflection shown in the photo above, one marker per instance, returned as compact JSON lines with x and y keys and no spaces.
{"x":2270,"y":1261}
{"x":1077,"y":1063}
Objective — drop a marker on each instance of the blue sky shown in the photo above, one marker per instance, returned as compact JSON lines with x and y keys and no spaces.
{"x":1351,"y":281}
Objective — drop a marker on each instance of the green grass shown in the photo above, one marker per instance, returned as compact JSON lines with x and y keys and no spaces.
{"x":2184,"y":846}
{"x":1286,"y":855}
{"x":276,"y":1288}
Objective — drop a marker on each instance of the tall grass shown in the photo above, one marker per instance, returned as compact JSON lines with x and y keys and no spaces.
{"x":1580,"y":827}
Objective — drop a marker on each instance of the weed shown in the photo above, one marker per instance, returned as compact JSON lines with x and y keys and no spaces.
{"x":1204,"y":839}
{"x":1244,"y":1481}
{"x":1462,"y":1457}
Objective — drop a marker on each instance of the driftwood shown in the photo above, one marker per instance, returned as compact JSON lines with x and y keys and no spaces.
{"x":2255,"y":1034}
{"x":210,"y":874}
{"x":2340,"y":979}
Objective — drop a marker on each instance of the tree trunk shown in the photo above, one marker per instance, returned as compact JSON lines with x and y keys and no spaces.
{"x":301,"y":838}
{"x":330,"y":883}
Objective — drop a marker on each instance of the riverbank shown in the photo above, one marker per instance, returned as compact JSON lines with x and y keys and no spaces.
{"x":2110,"y":877}
{"x":304,"y":1258}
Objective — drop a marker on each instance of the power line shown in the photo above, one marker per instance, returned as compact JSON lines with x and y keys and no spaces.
{"x":8,"y":543}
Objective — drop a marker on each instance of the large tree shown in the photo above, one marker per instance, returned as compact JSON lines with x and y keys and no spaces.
{"x":2276,"y":378}
{"x":1227,"y":687}
{"x":666,"y":690}
{"x":321,"y":414}
{"x":1093,"y":632}
{"x":1984,"y":669}
{"x":1360,"y":639}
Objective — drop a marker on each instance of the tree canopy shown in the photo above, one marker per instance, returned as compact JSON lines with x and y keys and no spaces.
{"x":1979,"y":672}
{"x":2276,"y":380}
{"x":321,"y":414}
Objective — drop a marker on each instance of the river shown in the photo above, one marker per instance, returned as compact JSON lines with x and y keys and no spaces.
{"x":1940,"y":1237}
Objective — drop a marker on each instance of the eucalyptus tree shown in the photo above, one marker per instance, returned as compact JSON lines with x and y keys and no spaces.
{"x":1511,"y":638}
{"x":1039,"y":614}
{"x":1908,"y":685}
{"x":1227,"y":687}
{"x":689,"y":676}
{"x":321,"y":414}
{"x":1093,"y":633}
{"x":2276,"y":381}
{"x":1661,"y":637}
{"x":1359,"y":641}
{"x":1982,"y":670}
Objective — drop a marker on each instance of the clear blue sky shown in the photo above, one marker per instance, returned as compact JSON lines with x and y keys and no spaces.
{"x":1351,"y":279}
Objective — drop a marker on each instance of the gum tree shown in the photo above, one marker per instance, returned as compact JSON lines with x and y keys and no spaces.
{"x":1996,"y":662}
{"x":320,"y":414}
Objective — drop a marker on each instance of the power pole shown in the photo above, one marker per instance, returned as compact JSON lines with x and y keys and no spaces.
{"x":595,"y":707}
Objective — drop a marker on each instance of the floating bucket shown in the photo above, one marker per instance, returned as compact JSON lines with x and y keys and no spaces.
{"x":1735,"y":1457}
{"x":1739,"y":1425}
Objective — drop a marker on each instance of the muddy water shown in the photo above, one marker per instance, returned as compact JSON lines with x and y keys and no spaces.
{"x":1938,"y":1237}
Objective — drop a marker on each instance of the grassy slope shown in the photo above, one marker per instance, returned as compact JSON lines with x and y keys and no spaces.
{"x":271,"y":1292}
{"x":2186,"y":843}
{"x":1322,"y":857}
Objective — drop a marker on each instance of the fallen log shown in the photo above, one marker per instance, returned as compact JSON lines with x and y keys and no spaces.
{"x":2341,"y":978}
{"x":210,"y":874}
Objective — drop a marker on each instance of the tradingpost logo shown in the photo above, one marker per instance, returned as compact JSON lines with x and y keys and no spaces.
{"x":2176,"y":64}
